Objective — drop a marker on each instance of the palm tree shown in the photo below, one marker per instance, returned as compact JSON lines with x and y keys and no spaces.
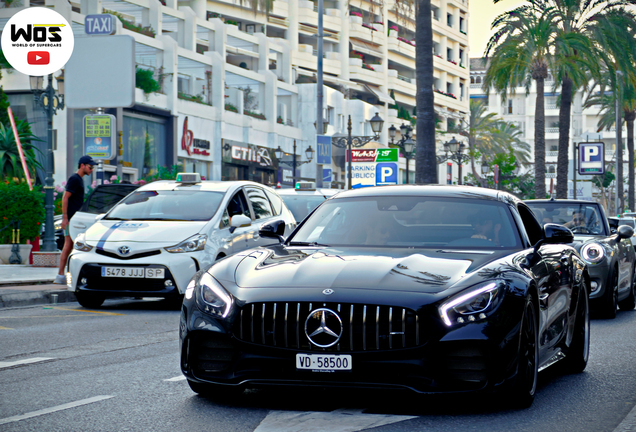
{"x":489,"y":135}
{"x":425,"y":160}
{"x":10,"y":164}
{"x":520,"y":55}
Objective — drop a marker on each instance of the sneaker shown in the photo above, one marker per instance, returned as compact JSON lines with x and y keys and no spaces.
{"x":60,"y":279}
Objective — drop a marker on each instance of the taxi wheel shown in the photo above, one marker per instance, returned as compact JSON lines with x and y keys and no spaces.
{"x":89,"y":301}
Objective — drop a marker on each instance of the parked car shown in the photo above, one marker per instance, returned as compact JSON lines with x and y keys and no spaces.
{"x":152,"y":242}
{"x":304,"y":198}
{"x":433,"y":289}
{"x":610,"y":256}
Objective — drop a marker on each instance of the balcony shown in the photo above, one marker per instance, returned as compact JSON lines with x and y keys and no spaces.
{"x":401,"y":83}
{"x":401,"y":47}
{"x":361,"y":72}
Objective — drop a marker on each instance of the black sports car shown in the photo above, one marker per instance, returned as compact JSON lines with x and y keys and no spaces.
{"x":610,"y":256}
{"x":428,"y":288}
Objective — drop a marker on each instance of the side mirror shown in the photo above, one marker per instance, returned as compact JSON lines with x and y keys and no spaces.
{"x":274,"y":229}
{"x":555,"y":233}
{"x":625,"y":231}
{"x":239,"y":221}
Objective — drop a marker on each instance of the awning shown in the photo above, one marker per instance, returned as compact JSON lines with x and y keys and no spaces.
{"x":365,"y":48}
{"x":382,"y":96}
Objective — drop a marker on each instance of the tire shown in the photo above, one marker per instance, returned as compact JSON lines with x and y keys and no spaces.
{"x":610,"y":299}
{"x":579,"y":351}
{"x":524,"y":388}
{"x":216,"y":391}
{"x":89,"y":301}
{"x":630,"y":302}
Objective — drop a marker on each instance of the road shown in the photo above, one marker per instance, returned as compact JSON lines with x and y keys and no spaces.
{"x":65,"y":368}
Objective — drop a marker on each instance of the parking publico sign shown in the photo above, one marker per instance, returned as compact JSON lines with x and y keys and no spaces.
{"x":592,"y":158}
{"x":37,"y":41}
{"x":374,"y":167}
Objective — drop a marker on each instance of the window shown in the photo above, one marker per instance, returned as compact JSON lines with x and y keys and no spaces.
{"x":236,"y":206}
{"x":260,"y":204}
{"x":509,"y":106}
{"x":277,"y":202}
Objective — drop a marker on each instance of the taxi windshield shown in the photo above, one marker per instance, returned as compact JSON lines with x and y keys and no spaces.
{"x":413,"y":222}
{"x":171,"y":205}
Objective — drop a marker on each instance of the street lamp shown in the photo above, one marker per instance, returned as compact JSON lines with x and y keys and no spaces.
{"x":309,"y":154}
{"x":454,"y":150}
{"x":349,"y":141}
{"x":50,"y":102}
{"x":406,"y":143}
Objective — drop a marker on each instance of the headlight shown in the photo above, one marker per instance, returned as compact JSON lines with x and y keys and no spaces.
{"x":80,"y":243}
{"x":472,"y":306}
{"x":190,"y":289}
{"x":193,"y":244}
{"x":593,"y":253}
{"x":214,"y":299}
{"x":58,"y":225}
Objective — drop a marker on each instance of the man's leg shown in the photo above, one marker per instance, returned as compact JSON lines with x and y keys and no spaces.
{"x":68,"y":246}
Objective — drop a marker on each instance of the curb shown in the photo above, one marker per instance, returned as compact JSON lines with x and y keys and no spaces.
{"x":31,"y":298}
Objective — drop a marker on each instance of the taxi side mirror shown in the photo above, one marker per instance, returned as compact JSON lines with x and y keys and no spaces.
{"x":238,"y":221}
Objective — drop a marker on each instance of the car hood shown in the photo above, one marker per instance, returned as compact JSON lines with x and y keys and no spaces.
{"x":424,"y":271}
{"x":142,"y":231}
{"x":580,"y":240}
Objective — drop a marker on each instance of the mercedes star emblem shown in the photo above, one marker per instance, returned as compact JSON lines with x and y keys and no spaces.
{"x":123,"y":250}
{"x":328,"y":291}
{"x":323,"y":328}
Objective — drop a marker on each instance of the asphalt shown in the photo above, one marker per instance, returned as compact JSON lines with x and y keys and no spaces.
{"x":25,"y":285}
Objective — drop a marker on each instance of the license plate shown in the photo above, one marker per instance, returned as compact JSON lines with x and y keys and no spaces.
{"x":133,"y":272}
{"x":323,"y":362}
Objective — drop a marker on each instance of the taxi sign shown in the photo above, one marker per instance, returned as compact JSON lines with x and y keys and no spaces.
{"x":305,"y":186}
{"x":188,"y":178}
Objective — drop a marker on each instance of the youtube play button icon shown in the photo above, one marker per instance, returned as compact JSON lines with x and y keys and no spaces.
{"x":38,"y":58}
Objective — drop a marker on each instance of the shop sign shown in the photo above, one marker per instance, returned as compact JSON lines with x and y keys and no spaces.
{"x":192,"y":145}
{"x":374,"y":155}
{"x":251,"y":154}
{"x":99,"y":136}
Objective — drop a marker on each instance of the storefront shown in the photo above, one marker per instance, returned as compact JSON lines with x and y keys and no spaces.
{"x":249,"y":162}
{"x":194,"y":149}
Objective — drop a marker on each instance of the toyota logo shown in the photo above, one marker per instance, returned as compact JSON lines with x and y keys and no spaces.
{"x":123,"y":250}
{"x":323,"y":328}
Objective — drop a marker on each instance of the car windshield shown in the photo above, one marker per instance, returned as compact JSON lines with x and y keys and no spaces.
{"x":583,"y":219}
{"x":173,"y":205}
{"x":302,"y":205}
{"x":104,"y":198}
{"x":406,"y":221}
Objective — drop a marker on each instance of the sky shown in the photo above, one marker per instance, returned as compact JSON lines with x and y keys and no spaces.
{"x":481,"y":15}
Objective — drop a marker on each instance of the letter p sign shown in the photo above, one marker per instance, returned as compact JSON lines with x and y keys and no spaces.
{"x":386,"y":173}
{"x":591,"y":158}
{"x":590,"y":153}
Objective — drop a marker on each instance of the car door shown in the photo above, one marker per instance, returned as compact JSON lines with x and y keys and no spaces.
{"x":263,"y":213}
{"x":236,"y":239}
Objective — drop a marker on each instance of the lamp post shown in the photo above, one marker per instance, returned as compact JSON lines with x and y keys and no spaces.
{"x":50,"y":102}
{"x":309,"y":153}
{"x":405,"y":143}
{"x":357,"y":141}
{"x":484,"y":170}
{"x":454,"y":150}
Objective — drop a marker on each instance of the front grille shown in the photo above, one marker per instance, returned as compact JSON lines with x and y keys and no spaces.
{"x":365,"y":327}
{"x":116,"y":256}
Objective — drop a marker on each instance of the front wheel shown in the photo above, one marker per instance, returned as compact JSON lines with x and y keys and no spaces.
{"x":525,"y":385}
{"x":579,"y":351}
{"x":89,"y":300}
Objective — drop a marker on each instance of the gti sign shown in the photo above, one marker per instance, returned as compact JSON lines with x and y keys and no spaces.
{"x":592,"y":158}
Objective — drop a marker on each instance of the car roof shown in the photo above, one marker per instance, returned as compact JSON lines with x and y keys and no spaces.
{"x":318,"y":191}
{"x":561,"y":201}
{"x":204,"y":185}
{"x":445,"y":191}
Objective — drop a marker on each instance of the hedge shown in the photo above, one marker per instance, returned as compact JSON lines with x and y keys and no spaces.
{"x":18,"y":203}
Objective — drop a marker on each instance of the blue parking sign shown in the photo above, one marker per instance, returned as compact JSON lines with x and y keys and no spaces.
{"x":386,"y":173}
{"x":592,"y":158}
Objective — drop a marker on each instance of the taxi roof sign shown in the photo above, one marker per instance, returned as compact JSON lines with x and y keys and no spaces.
{"x":188,"y":178}
{"x":303,"y":186}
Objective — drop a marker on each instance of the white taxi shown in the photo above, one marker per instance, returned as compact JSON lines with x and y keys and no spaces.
{"x":152,"y":242}
{"x":304,"y":198}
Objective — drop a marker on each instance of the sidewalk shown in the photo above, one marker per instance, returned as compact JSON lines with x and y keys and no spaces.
{"x":25,"y":285}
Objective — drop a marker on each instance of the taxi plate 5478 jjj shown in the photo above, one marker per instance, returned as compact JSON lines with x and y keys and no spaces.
{"x":133,"y":272}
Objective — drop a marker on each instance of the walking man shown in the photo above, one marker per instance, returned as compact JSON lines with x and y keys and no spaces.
{"x":71,"y":202}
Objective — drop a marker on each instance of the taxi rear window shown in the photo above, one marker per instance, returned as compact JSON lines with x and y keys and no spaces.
{"x":174,"y":205}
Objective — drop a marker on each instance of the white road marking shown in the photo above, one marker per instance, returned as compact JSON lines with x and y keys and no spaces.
{"x":335,"y":421}
{"x":628,"y":423}
{"x":53,"y":409}
{"x":177,"y":378}
{"x":25,"y":361}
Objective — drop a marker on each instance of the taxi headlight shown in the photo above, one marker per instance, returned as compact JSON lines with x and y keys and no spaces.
{"x":57,"y":225}
{"x":593,"y":253}
{"x":80,"y":243}
{"x":471,"y":306}
{"x":213,"y":298}
{"x":193,"y":244}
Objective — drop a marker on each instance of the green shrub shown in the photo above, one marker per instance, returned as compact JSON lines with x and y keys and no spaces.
{"x":144,"y":79}
{"x":19,"y":204}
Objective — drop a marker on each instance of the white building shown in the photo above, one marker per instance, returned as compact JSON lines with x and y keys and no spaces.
{"x":236,"y":84}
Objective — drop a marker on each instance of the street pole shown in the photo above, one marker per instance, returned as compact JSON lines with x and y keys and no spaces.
{"x":459,"y":180}
{"x":350,"y":154}
{"x":406,"y":156}
{"x":48,"y":245}
{"x":619,"y":147}
{"x":294,"y":164}
{"x":574,"y":156}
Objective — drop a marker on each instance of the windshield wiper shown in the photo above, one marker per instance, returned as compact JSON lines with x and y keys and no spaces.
{"x":306,"y":244}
